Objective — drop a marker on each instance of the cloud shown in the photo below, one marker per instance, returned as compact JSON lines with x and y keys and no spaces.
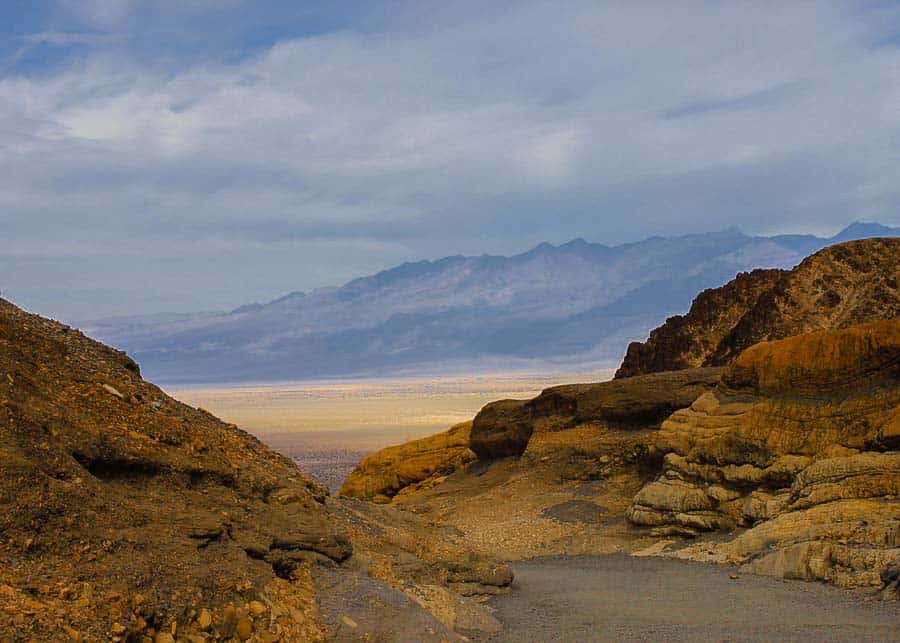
{"x":102,"y":13}
{"x":64,"y":38}
{"x":435,"y":131}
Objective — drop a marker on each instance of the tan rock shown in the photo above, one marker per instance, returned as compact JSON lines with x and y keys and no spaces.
{"x":229,"y":621}
{"x":383,"y":474}
{"x":204,"y":619}
{"x":244,"y":627}
{"x":788,"y":444}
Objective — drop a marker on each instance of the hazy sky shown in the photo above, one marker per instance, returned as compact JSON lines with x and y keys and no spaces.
{"x":176,"y":155}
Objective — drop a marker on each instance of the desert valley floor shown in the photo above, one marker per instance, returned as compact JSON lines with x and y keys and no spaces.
{"x":327,"y":427}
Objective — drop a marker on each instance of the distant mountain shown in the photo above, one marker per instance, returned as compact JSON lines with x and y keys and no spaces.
{"x":576,"y":303}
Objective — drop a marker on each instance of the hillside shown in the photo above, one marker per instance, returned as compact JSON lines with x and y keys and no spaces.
{"x":578,"y":302}
{"x":126,"y":515}
{"x":842,"y":285}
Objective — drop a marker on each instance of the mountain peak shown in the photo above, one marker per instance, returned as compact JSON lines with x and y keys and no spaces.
{"x":862,"y":230}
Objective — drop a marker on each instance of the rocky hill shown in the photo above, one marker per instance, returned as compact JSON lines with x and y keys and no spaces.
{"x":578,"y":302}
{"x":126,"y":515}
{"x":842,"y":285}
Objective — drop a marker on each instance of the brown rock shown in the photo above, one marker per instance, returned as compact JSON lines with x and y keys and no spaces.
{"x":793,"y":443}
{"x":84,"y":473}
{"x":503,"y":429}
{"x":204,"y":619}
{"x":244,"y":627}
{"x":840,"y":286}
{"x":385,"y":473}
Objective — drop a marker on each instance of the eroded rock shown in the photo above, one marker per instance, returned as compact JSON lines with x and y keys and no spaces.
{"x":137,"y":516}
{"x":380,"y":476}
{"x":504,"y":429}
{"x":794,"y":443}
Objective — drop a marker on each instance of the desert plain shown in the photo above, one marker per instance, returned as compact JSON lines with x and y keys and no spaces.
{"x":328,"y":426}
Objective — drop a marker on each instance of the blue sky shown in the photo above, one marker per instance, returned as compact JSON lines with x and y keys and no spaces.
{"x":197,"y":155}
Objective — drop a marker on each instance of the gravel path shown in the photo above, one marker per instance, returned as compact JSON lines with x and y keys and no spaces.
{"x":622,"y":598}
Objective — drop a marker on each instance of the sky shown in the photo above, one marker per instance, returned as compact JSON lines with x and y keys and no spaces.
{"x":197,"y":155}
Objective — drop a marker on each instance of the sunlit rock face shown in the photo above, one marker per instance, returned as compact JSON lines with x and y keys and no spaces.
{"x":799,"y":443}
{"x":385,"y":473}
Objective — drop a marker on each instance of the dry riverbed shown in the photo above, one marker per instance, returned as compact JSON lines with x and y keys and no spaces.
{"x":624,"y":598}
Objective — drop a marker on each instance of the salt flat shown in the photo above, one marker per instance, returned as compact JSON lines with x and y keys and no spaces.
{"x":328,"y":426}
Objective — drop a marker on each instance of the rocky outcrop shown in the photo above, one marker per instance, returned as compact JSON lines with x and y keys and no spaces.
{"x":382,"y":475}
{"x":843,"y":285}
{"x":126,"y":515}
{"x":504,"y":428}
{"x":686,"y":341}
{"x":799,"y":443}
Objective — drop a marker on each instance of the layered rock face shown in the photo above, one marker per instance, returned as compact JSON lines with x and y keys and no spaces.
{"x":503,"y":429}
{"x":798,"y":442}
{"x":126,"y":515}
{"x":412,"y":465}
{"x":842,"y":285}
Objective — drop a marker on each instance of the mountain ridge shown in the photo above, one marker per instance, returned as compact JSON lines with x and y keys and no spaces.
{"x":573,"y":303}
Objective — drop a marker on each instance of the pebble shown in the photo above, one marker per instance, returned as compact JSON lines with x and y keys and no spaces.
{"x":204,"y":619}
{"x":229,"y":621}
{"x":244,"y":628}
{"x":112,"y":390}
{"x":257,"y":608}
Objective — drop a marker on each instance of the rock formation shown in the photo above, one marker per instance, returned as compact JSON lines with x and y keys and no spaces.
{"x":126,"y":515}
{"x":381,"y":475}
{"x":798,"y":442}
{"x":503,"y":429}
{"x":842,"y":285}
{"x":579,"y":455}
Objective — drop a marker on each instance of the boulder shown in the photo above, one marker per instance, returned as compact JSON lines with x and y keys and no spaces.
{"x":383,"y":474}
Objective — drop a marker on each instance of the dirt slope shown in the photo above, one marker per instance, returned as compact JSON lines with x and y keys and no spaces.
{"x":126,"y":515}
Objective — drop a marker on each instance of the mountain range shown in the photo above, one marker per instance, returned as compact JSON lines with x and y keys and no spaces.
{"x":553,"y":307}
